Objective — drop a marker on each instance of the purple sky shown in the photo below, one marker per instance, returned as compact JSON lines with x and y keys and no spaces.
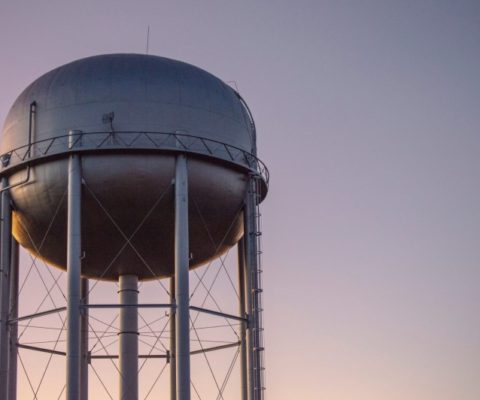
{"x":368,"y":118}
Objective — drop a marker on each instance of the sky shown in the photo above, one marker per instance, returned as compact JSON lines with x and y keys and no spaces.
{"x":367,"y":115}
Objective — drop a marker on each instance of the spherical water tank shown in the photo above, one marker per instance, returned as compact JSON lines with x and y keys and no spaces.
{"x":128,"y":116}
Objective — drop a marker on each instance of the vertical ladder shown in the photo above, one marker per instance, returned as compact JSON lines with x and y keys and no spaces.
{"x":257,"y":291}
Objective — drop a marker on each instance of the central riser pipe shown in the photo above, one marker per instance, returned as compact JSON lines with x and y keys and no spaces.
{"x":128,"y":337}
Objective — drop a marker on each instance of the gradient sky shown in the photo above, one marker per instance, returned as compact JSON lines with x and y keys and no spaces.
{"x":368,"y":117}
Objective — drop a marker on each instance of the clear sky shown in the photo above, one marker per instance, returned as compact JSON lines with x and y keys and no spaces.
{"x":368,"y":117}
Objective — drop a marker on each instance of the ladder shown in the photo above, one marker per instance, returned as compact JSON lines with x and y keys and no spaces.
{"x":257,"y":294}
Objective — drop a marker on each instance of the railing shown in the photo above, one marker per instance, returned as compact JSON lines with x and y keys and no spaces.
{"x":78,"y":141}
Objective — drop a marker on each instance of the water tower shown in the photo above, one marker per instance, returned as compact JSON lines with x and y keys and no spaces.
{"x":147,"y":161}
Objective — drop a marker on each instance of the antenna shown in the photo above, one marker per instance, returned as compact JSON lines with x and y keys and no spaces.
{"x":148,"y":39}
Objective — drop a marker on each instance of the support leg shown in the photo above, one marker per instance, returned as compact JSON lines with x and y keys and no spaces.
{"x":182,"y":316}
{"x":73,"y":278}
{"x":13,"y":328}
{"x":128,"y":337}
{"x":84,"y":341}
{"x":173,"y":363}
{"x":5,"y":261}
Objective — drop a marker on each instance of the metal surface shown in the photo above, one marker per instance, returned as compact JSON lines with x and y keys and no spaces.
{"x":5,"y":264}
{"x":182,"y":294}
{"x":116,"y":100}
{"x":13,"y":325}
{"x":140,"y":92}
{"x":74,"y":254}
{"x":217,"y":191}
{"x":128,"y":338}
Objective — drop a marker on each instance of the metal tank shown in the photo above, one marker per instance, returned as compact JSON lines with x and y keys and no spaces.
{"x":130,"y":167}
{"x":109,"y":101}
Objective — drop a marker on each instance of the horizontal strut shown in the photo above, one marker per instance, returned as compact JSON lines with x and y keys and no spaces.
{"x":146,"y":305}
{"x":36,"y":315}
{"x":218,"y":313}
{"x":41,"y":349}
{"x":114,"y":356}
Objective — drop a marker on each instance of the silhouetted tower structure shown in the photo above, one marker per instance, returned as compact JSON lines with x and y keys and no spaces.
{"x":124,"y":133}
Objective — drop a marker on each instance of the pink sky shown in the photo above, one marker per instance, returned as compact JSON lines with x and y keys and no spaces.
{"x":368,"y":117}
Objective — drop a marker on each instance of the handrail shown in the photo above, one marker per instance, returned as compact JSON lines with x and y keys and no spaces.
{"x":31,"y":122}
{"x":130,"y":140}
